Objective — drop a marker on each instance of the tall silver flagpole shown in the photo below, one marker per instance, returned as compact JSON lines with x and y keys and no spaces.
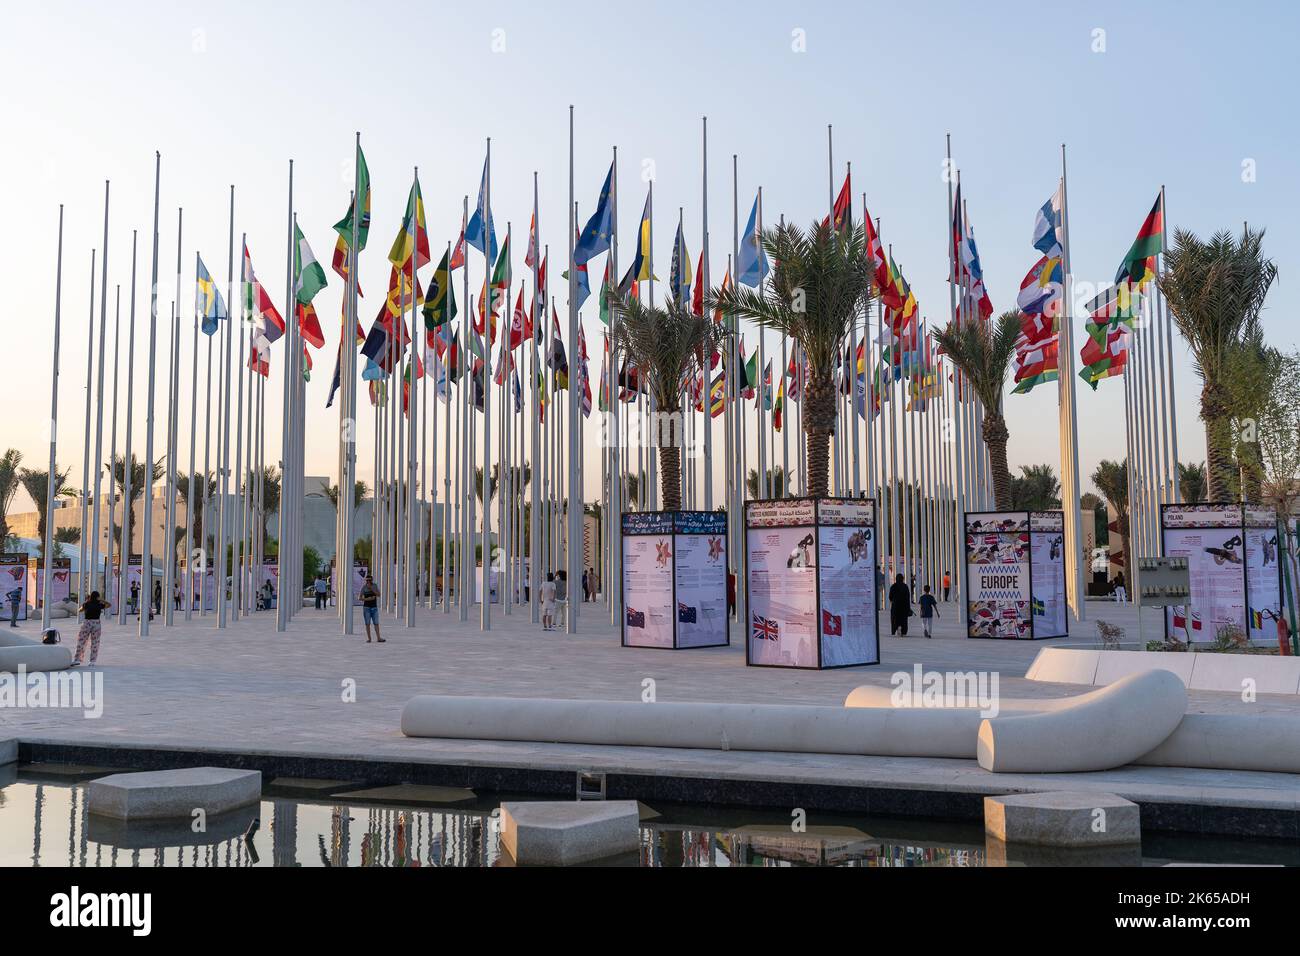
{"x":538,"y":309}
{"x":614,"y":580}
{"x":48,"y":545}
{"x":124,"y":549}
{"x":465,"y":548}
{"x":1175,"y":493}
{"x":99,"y":401}
{"x":347,"y":431}
{"x":85,"y":577}
{"x":485,"y":616}
{"x":956,"y":440}
{"x":112,"y":446}
{"x":223,"y":455}
{"x":1069,"y":427}
{"x":573,"y":543}
{"x":447,"y":429}
{"x":413,"y":522}
{"x":286,"y":429}
{"x":173,"y":412}
{"x":239,"y":555}
{"x":194,"y":493}
{"x":146,"y":589}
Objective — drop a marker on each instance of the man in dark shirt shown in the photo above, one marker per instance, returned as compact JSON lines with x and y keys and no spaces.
{"x":900,"y":606}
{"x":929,"y":611}
{"x":370,"y":608}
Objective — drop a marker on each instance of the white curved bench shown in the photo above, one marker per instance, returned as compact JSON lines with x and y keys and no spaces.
{"x":16,"y":651}
{"x":707,"y":726}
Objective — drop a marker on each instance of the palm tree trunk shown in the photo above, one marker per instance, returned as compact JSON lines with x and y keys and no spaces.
{"x":1218,"y":443}
{"x":995,"y":437}
{"x":670,"y":476}
{"x":819,"y":426}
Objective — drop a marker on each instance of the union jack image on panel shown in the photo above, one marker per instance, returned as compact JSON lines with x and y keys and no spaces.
{"x":765,"y":629}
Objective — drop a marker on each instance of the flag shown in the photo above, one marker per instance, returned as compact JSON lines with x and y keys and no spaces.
{"x":639,"y":271}
{"x":875,"y":253}
{"x":558,"y":361}
{"x":521,"y":325}
{"x":766,"y":629}
{"x":596,"y":235}
{"x":344,"y":226}
{"x":306,"y":364}
{"x":258,"y":307}
{"x":309,"y":325}
{"x":480,"y":232}
{"x":458,"y":253}
{"x":751,"y":265}
{"x":530,"y":254}
{"x":635,"y":618}
{"x":679,"y":275}
{"x":832,"y":624}
{"x":686,"y":614}
{"x":718,"y":395}
{"x":842,"y":211}
{"x":697,"y":296}
{"x":208,"y":303}
{"x":778,"y":408}
{"x":499,"y":292}
{"x":440,"y":300}
{"x":308,"y":276}
{"x":259,"y":356}
{"x":604,"y":295}
{"x":412,"y":240}
{"x":1139,"y":264}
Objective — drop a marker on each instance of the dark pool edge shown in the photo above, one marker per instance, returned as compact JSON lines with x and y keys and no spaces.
{"x":938,"y":804}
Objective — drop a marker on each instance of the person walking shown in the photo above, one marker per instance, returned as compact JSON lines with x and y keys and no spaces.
{"x":135,"y":597}
{"x":900,"y":606}
{"x":947,"y":585}
{"x":157,"y":597}
{"x":90,"y":629}
{"x":321,"y":588}
{"x":548,"y":602}
{"x":370,"y":608}
{"x":1121,"y":595}
{"x":14,"y":598}
{"x":929,"y":611}
{"x":585,"y":592}
{"x":176,"y":594}
{"x":594,"y":578}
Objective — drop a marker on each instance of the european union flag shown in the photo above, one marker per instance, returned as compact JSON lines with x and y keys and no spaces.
{"x":595,"y":238}
{"x":208,"y":303}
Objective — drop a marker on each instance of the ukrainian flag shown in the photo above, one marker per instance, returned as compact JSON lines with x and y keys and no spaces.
{"x":208,"y":303}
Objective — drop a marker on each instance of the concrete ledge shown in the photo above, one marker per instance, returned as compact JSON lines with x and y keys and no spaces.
{"x":1062,"y":818}
{"x":1231,"y":742}
{"x":1100,"y":730}
{"x":562,"y":834}
{"x":163,"y":794}
{"x":766,"y":727}
{"x":8,"y":751}
{"x":1197,"y":670}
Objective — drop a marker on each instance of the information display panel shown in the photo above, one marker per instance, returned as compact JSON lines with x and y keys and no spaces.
{"x":674,"y":579}
{"x":1015,"y":575}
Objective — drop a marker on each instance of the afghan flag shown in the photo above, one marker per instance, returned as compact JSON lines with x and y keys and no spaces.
{"x":344,"y":226}
{"x":308,"y":276}
{"x":440,"y":300}
{"x":412,"y":241}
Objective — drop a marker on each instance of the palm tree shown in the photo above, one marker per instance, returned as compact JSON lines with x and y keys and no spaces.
{"x":1111,"y":479}
{"x":205,"y":490}
{"x":36,"y":484}
{"x":1191,"y":481}
{"x":821,"y":282}
{"x":1215,"y":292}
{"x":492,"y":483}
{"x":775,"y":482}
{"x":359,"y":492}
{"x":1036,"y":488}
{"x":668,"y":346}
{"x":9,"y":484}
{"x":270,"y":504}
{"x":632,"y":485}
{"x":982,"y":352}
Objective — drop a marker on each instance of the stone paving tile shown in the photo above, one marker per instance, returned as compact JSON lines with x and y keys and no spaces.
{"x":249,"y":688}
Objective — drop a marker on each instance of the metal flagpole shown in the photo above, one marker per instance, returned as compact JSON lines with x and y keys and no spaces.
{"x":538,"y":309}
{"x":99,"y":404}
{"x":112,"y":450}
{"x":614,"y":579}
{"x":447,"y":429}
{"x":223,"y":457}
{"x":1069,"y":428}
{"x":85,"y":576}
{"x":1175,"y":492}
{"x":574,"y":537}
{"x":48,"y":544}
{"x":169,"y":505}
{"x":286,"y":430}
{"x":465,"y":549}
{"x":146,"y":589}
{"x":238,"y":555}
{"x":124,"y":548}
{"x":485,"y":615}
{"x":957,"y":439}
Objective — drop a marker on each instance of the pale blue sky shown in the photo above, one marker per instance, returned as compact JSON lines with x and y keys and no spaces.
{"x":1182,"y":95}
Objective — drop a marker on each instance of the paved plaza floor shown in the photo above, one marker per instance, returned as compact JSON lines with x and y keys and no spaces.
{"x":248,"y":688}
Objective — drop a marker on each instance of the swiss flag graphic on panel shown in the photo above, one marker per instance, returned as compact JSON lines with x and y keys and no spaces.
{"x":832,"y":624}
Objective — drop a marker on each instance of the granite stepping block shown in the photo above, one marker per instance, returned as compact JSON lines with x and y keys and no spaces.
{"x":563,"y":833}
{"x":164,"y":794}
{"x":8,"y":751}
{"x":1063,"y":818}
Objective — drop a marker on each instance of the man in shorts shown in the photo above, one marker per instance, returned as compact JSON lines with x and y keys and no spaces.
{"x":370,"y":608}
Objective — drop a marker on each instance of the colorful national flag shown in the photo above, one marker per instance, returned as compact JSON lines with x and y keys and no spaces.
{"x":258,"y":307}
{"x":596,"y":235}
{"x":308,"y":276}
{"x":766,"y":629}
{"x":751,"y":265}
{"x":480,"y":232}
{"x":208,"y":302}
{"x":440,"y":300}
{"x":344,"y":226}
{"x":412,"y":240}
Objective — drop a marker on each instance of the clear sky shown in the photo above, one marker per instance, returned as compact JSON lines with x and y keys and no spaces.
{"x":1180,"y":94}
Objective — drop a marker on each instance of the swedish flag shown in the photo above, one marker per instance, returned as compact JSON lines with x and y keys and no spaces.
{"x":208,"y":303}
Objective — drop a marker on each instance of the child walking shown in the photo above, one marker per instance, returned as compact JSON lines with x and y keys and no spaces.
{"x":929,"y":611}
